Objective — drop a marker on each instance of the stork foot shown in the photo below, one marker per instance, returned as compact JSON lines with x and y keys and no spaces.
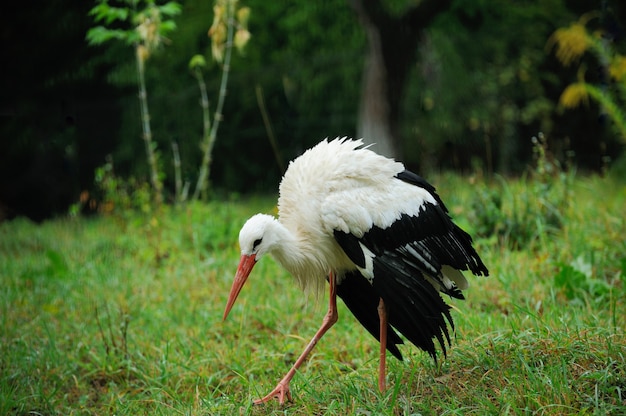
{"x":280,"y":392}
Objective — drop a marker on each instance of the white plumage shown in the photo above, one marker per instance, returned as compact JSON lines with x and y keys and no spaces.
{"x":378,"y":233}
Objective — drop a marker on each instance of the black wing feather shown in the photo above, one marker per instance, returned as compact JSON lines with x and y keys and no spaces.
{"x":460,"y":252}
{"x":415,"y":179}
{"x":351,"y":247}
{"x":362,"y":300}
{"x":405,"y":252}
{"x":415,"y":308}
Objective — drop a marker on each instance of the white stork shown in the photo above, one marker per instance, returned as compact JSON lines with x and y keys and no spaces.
{"x":378,"y":233}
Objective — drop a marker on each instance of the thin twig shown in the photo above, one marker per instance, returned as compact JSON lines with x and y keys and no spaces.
{"x":177,"y":174}
{"x":268,"y":128}
{"x":124,"y":332}
{"x":104,"y":340}
{"x":217,"y":118}
{"x":147,"y":131}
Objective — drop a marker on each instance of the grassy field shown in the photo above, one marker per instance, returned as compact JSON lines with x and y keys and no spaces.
{"x":121,"y":314}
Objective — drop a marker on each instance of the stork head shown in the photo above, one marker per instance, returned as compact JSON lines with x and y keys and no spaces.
{"x":256,"y":238}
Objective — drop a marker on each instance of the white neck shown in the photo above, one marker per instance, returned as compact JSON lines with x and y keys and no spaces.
{"x":298,"y":257}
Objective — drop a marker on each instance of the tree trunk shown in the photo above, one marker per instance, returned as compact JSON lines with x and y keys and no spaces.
{"x":392,"y":49}
{"x":374,"y":124}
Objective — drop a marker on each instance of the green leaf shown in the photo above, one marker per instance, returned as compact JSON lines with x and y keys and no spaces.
{"x":109,"y":14}
{"x":167,"y":26}
{"x":171,"y":8}
{"x":197,"y":61}
{"x":99,"y":12}
{"x":117,"y":13}
{"x":100,"y":34}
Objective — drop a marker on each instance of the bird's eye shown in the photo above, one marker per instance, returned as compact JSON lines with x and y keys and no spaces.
{"x":256,"y":243}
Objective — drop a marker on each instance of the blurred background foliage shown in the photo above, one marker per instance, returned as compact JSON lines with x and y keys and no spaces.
{"x":485,"y":82}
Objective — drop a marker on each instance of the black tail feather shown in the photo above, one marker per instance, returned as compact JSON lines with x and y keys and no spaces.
{"x":415,"y":307}
{"x":362,"y":300}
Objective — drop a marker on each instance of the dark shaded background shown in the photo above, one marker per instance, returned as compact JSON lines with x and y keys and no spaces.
{"x":65,"y":105}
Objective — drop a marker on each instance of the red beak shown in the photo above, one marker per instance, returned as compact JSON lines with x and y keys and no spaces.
{"x":246,"y":264}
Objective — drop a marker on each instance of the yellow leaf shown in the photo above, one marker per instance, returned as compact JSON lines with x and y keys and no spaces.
{"x":142,"y":53}
{"x":218,"y":33}
{"x":571,"y":43}
{"x":217,"y":50}
{"x":218,"y":39}
{"x":218,"y":26}
{"x":573,"y":95}
{"x":242,"y":37}
{"x":243,"y":15}
{"x":617,"y":68}
{"x":218,"y":13}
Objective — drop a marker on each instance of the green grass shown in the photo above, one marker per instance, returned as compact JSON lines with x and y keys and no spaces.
{"x":122,"y":315}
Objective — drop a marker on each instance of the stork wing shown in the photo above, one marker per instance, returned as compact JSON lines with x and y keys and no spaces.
{"x":439,"y":234}
{"x":414,"y":306}
{"x":409,"y":259}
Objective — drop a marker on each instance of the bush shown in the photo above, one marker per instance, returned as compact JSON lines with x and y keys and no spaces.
{"x":114,"y":195}
{"x":518,"y":214}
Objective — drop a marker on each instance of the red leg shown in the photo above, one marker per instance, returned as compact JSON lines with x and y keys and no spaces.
{"x":281,"y":391}
{"x":382,"y":314}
